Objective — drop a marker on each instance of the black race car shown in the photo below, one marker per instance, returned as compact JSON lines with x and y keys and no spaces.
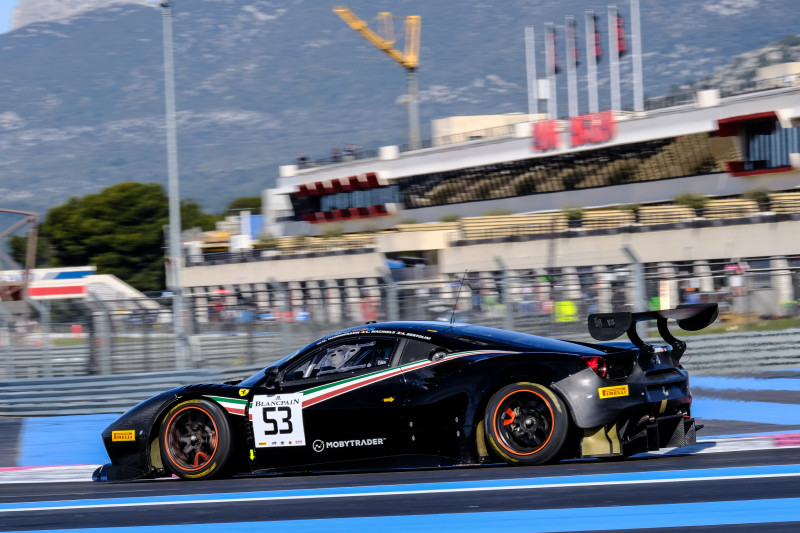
{"x":421,"y":394}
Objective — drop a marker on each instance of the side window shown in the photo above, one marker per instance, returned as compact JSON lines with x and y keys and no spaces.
{"x":344,"y":356}
{"x":419,"y":350}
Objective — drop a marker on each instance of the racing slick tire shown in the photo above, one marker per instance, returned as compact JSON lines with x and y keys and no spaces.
{"x":526,"y":423}
{"x":195,"y":440}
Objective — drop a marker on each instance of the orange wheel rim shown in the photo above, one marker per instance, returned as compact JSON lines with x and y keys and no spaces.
{"x":192,"y":445}
{"x":522,"y":423}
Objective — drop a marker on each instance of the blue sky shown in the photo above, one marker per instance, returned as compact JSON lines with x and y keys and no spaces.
{"x":6,"y":7}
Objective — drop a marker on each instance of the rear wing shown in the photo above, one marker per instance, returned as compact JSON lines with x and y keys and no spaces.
{"x":609,"y":326}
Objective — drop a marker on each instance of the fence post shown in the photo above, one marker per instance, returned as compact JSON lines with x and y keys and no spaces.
{"x":392,"y":309}
{"x":639,"y":300}
{"x":6,"y":337}
{"x":100,"y":340}
{"x":286,"y":307}
{"x":505,"y":296}
{"x":44,"y":320}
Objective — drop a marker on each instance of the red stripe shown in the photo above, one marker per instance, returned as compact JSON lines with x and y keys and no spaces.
{"x":356,"y":385}
{"x":57,"y":291}
{"x":348,"y":388}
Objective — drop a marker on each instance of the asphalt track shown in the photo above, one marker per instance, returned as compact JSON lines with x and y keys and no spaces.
{"x":711,"y":491}
{"x":744,"y":475}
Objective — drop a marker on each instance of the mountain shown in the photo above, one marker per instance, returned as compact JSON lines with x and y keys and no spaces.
{"x":259,"y":81}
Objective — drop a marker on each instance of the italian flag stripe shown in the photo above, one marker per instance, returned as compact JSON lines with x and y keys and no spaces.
{"x":326,"y":392}
{"x":319,"y":394}
{"x":234,"y":406}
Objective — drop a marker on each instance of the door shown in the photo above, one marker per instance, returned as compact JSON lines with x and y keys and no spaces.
{"x":337,"y":402}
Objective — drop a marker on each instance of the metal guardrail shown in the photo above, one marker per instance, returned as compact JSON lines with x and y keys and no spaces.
{"x":730,"y":353}
{"x":742,"y":353}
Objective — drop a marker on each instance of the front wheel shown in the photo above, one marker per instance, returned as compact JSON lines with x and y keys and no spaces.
{"x":526,"y":423}
{"x":195,"y":439}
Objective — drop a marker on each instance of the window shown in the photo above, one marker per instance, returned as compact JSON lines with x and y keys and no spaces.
{"x":344,"y":356}
{"x":419,"y":350}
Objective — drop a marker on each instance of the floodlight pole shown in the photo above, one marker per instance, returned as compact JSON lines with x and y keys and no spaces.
{"x":174,"y":254}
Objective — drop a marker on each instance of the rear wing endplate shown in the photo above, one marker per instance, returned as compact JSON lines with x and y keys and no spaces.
{"x":609,"y":326}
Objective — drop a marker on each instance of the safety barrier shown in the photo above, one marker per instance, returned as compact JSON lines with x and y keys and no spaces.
{"x":730,"y":353}
{"x":742,"y":353}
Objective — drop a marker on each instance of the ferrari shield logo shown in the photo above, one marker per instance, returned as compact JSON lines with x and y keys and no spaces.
{"x":243,"y":392}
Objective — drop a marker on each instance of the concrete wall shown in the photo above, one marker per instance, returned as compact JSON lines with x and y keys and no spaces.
{"x":692,"y":244}
{"x":362,"y":265}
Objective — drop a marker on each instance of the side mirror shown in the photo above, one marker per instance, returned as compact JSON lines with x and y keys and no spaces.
{"x":271,"y":381}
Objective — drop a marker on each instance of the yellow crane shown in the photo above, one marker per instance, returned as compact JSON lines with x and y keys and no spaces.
{"x":408,"y":59}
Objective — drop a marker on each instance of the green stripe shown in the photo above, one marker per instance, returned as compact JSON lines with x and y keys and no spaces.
{"x":365,"y":376}
{"x":345,"y":381}
{"x":220,"y":399}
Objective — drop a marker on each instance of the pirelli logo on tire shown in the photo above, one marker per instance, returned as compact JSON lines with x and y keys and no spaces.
{"x":128,"y":435}
{"x":613,"y":392}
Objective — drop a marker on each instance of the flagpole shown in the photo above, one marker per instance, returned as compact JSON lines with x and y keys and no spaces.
{"x":591,"y":60}
{"x":636,"y":57}
{"x":550,"y":51}
{"x":613,"y":57}
{"x":572,"y":80}
{"x":530,"y":63}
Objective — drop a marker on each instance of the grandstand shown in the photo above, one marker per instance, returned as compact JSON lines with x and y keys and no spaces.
{"x":574,"y":205}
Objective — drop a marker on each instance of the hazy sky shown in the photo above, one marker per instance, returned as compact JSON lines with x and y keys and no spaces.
{"x":6,"y":7}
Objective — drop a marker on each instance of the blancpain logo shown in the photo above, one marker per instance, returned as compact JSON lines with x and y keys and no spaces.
{"x":276,"y":402}
{"x":321,"y":445}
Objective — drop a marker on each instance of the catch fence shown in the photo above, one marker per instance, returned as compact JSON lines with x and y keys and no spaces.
{"x":240,"y":329}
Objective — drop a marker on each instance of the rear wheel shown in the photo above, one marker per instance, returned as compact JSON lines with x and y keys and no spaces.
{"x":195,"y":439}
{"x":526,"y":423}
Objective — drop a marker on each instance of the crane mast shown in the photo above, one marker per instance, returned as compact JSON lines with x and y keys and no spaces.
{"x":408,"y":59}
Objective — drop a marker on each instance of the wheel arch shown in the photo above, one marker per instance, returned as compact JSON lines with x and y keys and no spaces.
{"x":153,"y":439}
{"x":538,"y":372}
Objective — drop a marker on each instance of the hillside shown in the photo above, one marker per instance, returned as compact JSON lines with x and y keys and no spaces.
{"x":260,"y":81}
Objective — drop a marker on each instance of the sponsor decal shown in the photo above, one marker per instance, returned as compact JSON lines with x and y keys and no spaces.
{"x":243,"y":392}
{"x":277,"y":420}
{"x":274,"y":401}
{"x":613,"y":392}
{"x":127,"y":435}
{"x":378,"y":331}
{"x":322,"y":445}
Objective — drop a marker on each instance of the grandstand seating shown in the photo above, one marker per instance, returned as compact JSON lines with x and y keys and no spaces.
{"x":664,"y":214}
{"x":429,"y":226}
{"x":606,"y":218}
{"x":648,"y":161}
{"x":730,"y":208}
{"x":785,"y":202}
{"x":488,"y":227}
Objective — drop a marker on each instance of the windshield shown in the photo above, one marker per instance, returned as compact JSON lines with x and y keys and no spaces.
{"x":258,"y":376}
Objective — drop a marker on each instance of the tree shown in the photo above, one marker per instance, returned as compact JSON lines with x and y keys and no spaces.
{"x":18,"y":244}
{"x":192,"y":216}
{"x":119,"y":230}
{"x":245,"y":203}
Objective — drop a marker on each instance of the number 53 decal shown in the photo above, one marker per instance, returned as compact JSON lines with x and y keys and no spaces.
{"x":278,"y":420}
